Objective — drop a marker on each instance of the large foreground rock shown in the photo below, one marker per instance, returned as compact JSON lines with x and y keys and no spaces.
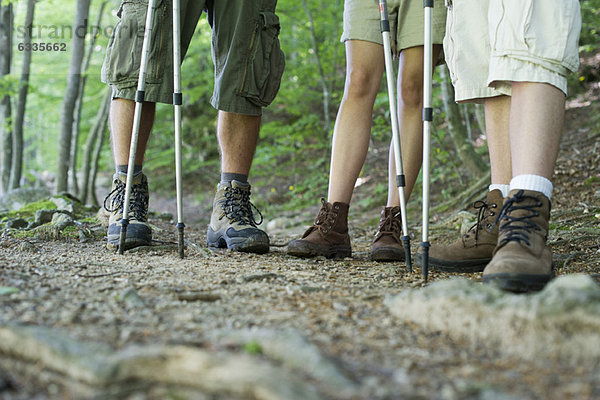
{"x":560,"y":323}
{"x":96,"y":370}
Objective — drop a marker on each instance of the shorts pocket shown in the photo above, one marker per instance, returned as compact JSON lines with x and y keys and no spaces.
{"x":264,"y":62}
{"x":124,"y":52}
{"x":539,"y":28}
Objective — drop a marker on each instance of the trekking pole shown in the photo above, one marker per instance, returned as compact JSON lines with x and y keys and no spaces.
{"x":139,"y":101}
{"x":177,"y":103}
{"x":427,"y":120}
{"x":400,"y":178}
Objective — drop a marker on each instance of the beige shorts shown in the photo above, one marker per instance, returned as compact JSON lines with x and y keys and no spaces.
{"x":361,"y":22}
{"x":491,"y":43}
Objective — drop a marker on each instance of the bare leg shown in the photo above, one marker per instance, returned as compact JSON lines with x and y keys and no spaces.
{"x":352,"y":129}
{"x":410,"y":106}
{"x":536,"y":125}
{"x":121,"y":125}
{"x":238,"y":135}
{"x":497,"y":111}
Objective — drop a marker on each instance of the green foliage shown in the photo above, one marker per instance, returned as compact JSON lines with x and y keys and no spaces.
{"x":253,"y":348}
{"x":590,"y":29}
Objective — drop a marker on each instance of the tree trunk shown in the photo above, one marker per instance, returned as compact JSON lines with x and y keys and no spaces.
{"x":6,"y":22}
{"x":323,"y":80}
{"x":79,"y":104}
{"x":16,"y":168}
{"x":95,"y":162}
{"x":471,"y":160}
{"x":68,"y":108}
{"x":90,"y":147}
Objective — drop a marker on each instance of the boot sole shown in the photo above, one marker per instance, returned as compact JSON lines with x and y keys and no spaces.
{"x":114,"y":239}
{"x":304,"y":249}
{"x":461,"y":267}
{"x":242,"y":244}
{"x":518,"y":283}
{"x":387,"y":254}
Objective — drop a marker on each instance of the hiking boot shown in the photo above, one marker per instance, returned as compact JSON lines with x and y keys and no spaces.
{"x":522,"y":261}
{"x":139,"y":232}
{"x":328,"y":236}
{"x":387,"y":245}
{"x":472,"y":251}
{"x":232,"y":223}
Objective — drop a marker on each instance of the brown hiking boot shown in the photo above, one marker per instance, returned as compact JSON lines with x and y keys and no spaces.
{"x":328,"y":236}
{"x":472,"y":251}
{"x":387,"y":245}
{"x":522,"y":261}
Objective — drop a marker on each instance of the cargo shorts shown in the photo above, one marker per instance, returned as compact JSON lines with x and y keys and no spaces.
{"x":361,"y":22}
{"x":246,"y":53}
{"x":491,"y":43}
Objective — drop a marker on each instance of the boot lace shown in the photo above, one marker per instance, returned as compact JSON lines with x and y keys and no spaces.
{"x":138,"y":203}
{"x":238,"y":208}
{"x":517,"y":229}
{"x":484,"y":211}
{"x":390,"y":224}
{"x":324,"y":221}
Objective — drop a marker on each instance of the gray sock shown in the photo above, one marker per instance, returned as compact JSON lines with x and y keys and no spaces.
{"x":122,"y":169}
{"x":227,"y":177}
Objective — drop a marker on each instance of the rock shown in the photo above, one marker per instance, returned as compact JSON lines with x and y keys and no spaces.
{"x":43,"y":217}
{"x":94,"y":370}
{"x":61,"y":220}
{"x":199,"y":296}
{"x":294,"y":352}
{"x":63,"y":204}
{"x":17,"y":198}
{"x":16,"y":223}
{"x":562,"y":321}
{"x":131,"y":298}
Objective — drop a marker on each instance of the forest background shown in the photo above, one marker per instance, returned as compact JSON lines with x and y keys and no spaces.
{"x":53,"y":110}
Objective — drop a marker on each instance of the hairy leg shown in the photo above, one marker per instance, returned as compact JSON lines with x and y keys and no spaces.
{"x":238,"y":135}
{"x":121,"y":125}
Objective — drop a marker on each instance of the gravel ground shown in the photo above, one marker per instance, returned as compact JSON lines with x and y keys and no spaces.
{"x":151,"y":297}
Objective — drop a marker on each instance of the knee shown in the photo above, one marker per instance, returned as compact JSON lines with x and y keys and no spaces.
{"x":361,"y":83}
{"x":411,"y":93}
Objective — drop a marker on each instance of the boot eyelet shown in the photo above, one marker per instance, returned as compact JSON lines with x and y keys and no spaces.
{"x":337,"y":207}
{"x":492,"y":213}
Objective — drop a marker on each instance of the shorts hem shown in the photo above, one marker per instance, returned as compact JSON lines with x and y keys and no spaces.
{"x":236,"y":108}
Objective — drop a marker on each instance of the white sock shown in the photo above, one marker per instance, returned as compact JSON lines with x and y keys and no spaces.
{"x":532,"y":182}
{"x":504,"y":189}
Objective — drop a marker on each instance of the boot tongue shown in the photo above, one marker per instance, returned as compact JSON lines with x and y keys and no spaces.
{"x":240,"y":185}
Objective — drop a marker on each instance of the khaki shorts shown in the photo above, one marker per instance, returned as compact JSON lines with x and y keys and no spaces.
{"x":491,"y":43}
{"x":245,"y":50}
{"x":361,"y":22}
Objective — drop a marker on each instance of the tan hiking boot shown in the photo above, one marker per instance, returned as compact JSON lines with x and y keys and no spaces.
{"x":522,"y":261}
{"x":139,"y":232}
{"x":328,"y":236}
{"x":387,"y":245}
{"x":232,"y":223}
{"x":472,"y":251}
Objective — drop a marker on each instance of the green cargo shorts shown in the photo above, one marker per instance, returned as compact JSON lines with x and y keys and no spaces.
{"x":246,"y":53}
